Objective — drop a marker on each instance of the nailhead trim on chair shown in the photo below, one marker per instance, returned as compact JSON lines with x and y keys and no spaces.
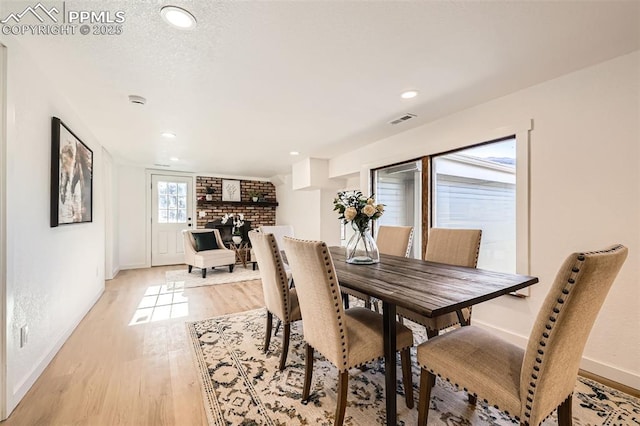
{"x":337,"y":303}
{"x":542,"y":343}
{"x":282,"y":277}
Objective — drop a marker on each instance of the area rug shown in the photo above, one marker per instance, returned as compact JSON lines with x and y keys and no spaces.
{"x":242,"y":385}
{"x":214,"y":276}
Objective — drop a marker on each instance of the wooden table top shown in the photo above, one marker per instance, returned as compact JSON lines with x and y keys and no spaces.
{"x":428,"y":288}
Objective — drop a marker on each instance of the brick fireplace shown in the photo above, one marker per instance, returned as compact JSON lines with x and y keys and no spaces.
{"x":258,"y":213}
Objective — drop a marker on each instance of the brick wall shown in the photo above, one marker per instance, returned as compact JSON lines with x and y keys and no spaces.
{"x":257,"y":213}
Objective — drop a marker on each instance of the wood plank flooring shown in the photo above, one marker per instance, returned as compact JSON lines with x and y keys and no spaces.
{"x":112,"y":373}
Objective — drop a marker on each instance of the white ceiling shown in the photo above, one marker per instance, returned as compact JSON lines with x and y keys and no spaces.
{"x":257,"y":79}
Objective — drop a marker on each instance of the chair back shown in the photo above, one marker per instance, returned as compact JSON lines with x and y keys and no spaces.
{"x":459,"y":247}
{"x":394,"y":240}
{"x":560,"y":332}
{"x":279,"y":232}
{"x":319,"y":298}
{"x":275,"y":284}
{"x":190,"y":242}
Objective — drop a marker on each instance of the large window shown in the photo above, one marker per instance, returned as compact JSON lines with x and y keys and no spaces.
{"x":476,"y":188}
{"x":399,"y":188}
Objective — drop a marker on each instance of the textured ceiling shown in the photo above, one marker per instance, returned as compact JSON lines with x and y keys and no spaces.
{"x":256,"y":80}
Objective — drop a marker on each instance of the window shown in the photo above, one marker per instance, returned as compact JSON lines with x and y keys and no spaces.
{"x":172,"y":202}
{"x":399,"y":188}
{"x":476,"y":188}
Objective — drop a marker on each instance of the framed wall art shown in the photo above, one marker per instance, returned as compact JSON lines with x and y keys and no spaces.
{"x":230,"y":190}
{"x":71,"y":177}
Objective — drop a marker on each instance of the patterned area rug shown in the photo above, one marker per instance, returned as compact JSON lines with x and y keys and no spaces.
{"x":242,"y":386}
{"x":214,"y":276}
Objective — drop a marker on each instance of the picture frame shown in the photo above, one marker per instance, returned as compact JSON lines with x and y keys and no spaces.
{"x":230,"y":190}
{"x":71,"y":177}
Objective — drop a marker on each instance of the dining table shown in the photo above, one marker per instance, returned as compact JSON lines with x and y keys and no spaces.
{"x":427,"y":288}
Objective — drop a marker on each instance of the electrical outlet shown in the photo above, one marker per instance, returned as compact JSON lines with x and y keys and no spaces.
{"x":24,"y":335}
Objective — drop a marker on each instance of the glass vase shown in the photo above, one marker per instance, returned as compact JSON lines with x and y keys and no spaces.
{"x":361,"y":248}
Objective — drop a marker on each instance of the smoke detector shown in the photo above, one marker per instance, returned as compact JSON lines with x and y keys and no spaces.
{"x":137,"y":100}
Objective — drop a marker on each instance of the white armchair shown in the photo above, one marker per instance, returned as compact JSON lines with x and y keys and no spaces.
{"x":204,"y":259}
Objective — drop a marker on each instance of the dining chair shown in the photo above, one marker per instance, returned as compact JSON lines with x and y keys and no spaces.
{"x":459,"y":247}
{"x":279,"y":299}
{"x":528,"y":384}
{"x":391,"y":240}
{"x":394,"y":240}
{"x":347,"y":338}
{"x":278,"y":231}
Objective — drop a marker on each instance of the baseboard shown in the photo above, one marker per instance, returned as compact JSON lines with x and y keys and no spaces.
{"x":612,"y":373}
{"x":23,"y":386}
{"x":133,"y":266}
{"x":114,"y":273}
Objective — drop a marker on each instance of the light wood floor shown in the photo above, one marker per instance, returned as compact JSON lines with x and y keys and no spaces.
{"x":113,"y":373}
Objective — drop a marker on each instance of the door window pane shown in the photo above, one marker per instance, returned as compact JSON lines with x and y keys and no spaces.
{"x":172,"y":202}
{"x":476,"y":188}
{"x":162,"y":188}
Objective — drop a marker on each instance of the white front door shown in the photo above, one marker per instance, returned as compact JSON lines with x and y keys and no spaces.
{"x":172,"y":211}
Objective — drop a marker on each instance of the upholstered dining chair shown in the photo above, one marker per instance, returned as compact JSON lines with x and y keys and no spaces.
{"x":528,"y":384}
{"x":392,"y":240}
{"x":279,"y":299}
{"x":279,"y":232}
{"x":458,"y":247}
{"x":345,"y":337}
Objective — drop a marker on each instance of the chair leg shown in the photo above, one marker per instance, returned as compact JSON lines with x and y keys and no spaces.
{"x":308,"y":372}
{"x":285,"y":345}
{"x":267,"y":332}
{"x":190,"y":267}
{"x":427,"y":381}
{"x":278,"y":323}
{"x":345,"y":300}
{"x":405,"y":360}
{"x":473,"y":400}
{"x":343,"y":385}
{"x":231,"y":268}
{"x":564,"y":412}
{"x":431,"y":333}
{"x":367,"y":304}
{"x":204,"y":272}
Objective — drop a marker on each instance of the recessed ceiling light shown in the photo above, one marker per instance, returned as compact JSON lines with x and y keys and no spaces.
{"x":174,"y":159}
{"x":294,"y":153}
{"x":178,"y":17}
{"x":138,"y":100}
{"x":409,"y":94}
{"x":169,"y":135}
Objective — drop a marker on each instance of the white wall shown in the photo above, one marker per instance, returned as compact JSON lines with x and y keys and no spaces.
{"x":54,"y":275}
{"x":300,"y":209}
{"x":112,"y":248}
{"x":132,"y":237}
{"x":584,"y":192}
{"x":309,"y":211}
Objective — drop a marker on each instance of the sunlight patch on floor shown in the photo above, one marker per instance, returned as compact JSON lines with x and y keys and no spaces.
{"x":161,"y":303}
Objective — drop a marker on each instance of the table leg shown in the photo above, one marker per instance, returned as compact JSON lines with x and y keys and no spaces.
{"x":461,"y":319}
{"x":389,"y":319}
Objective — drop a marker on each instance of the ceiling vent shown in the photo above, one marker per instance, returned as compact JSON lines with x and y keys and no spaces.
{"x":161,"y":165}
{"x":137,"y":100}
{"x":402,"y":119}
